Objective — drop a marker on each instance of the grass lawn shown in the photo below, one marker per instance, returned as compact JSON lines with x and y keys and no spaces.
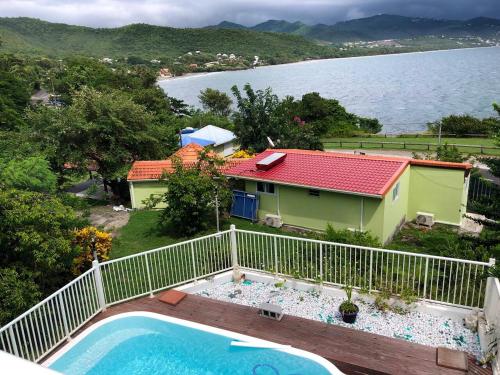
{"x":416,"y":143}
{"x":141,"y":233}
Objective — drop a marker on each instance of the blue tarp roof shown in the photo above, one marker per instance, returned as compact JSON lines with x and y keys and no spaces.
{"x":188,"y":138}
{"x":208,"y":135}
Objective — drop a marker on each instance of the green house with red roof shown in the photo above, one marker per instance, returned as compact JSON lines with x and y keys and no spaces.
{"x":310,"y":189}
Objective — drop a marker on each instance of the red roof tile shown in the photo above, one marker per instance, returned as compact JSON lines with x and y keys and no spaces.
{"x":359,"y":174}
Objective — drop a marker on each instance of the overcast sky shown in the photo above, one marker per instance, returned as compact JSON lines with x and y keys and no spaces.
{"x":193,"y":13}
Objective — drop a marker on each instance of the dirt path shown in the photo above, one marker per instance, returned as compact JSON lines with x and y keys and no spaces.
{"x":104,"y":217}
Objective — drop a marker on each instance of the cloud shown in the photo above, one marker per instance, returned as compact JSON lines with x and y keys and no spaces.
{"x":193,"y":13}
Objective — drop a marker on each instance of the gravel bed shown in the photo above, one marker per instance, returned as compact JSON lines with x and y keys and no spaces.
{"x":415,"y":327}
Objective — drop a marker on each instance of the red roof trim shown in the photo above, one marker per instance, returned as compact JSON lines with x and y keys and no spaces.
{"x":440,"y":164}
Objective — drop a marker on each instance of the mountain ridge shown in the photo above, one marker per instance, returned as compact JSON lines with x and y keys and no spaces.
{"x":383,"y":26}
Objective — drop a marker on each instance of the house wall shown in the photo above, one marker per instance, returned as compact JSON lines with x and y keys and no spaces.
{"x":396,"y":211}
{"x":440,"y":191}
{"x":140,"y":190}
{"x":436,"y":190}
{"x":225,"y":150}
{"x":343,"y":211}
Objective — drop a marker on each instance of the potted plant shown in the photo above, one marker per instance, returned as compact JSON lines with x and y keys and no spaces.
{"x":348,"y":309}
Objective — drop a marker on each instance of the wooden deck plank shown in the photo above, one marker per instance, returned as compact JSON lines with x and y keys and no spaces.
{"x":353,"y":351}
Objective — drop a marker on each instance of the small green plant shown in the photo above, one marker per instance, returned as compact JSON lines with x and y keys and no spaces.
{"x":408,"y":296}
{"x":348,"y":307}
{"x":296,"y":274}
{"x":381,"y":301}
{"x":399,"y":310}
{"x":280,"y":284}
{"x":318,"y":279}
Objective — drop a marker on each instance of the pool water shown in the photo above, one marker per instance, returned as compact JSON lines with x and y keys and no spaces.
{"x":147,"y":345}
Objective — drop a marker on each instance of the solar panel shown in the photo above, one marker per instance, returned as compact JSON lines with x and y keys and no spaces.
{"x":271,"y":161}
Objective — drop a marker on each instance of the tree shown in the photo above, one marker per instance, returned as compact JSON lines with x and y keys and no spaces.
{"x":18,"y":292}
{"x":14,"y":96}
{"x":253,"y":120}
{"x":88,"y":239}
{"x":449,"y":153}
{"x":104,"y":128}
{"x":32,"y":173}
{"x":191,"y":196}
{"x":462,"y":125}
{"x":216,"y":102}
{"x":36,"y":235}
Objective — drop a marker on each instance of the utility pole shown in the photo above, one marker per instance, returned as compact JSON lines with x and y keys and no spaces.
{"x":439,"y":134}
{"x":217,"y":207}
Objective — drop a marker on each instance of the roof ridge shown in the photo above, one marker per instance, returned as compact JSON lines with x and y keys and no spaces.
{"x":412,"y":161}
{"x":342,"y":155}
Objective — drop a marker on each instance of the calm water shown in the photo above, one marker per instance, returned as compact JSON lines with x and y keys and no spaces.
{"x":142,"y":345}
{"x":404,"y":91}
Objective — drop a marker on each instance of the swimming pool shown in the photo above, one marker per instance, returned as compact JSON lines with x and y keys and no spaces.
{"x":149,"y":343}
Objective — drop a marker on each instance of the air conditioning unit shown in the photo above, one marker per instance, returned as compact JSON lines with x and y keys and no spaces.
{"x":425,"y":218}
{"x":273,"y":221}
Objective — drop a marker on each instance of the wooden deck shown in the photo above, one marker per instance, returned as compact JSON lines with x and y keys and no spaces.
{"x":352,"y":351}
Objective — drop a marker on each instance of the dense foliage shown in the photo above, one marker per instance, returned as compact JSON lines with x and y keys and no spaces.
{"x":191,"y":196}
{"x":216,"y":102}
{"x":90,"y":239}
{"x":263,"y":120}
{"x":152,"y":42}
{"x":36,"y":232}
{"x":462,"y":125}
{"x":348,"y":236}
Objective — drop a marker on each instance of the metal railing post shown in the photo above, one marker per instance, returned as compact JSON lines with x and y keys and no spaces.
{"x":425,"y":277}
{"x":371,"y":273}
{"x":321,"y":262}
{"x":63,"y":314}
{"x":276,"y":256}
{"x":234,"y":247}
{"x":146,"y":259}
{"x":99,"y":285}
{"x":194,"y":262}
{"x":13,"y":341}
{"x":492,"y":262}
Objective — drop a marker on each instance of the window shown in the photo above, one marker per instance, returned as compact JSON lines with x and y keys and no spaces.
{"x":314,"y":193}
{"x":264,"y":187}
{"x":395,"y":192}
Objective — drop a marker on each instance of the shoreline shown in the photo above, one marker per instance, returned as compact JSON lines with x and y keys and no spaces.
{"x":198,"y":74}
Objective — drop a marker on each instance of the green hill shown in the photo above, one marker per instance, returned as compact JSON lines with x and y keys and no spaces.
{"x":33,"y":36}
{"x":385,"y":26}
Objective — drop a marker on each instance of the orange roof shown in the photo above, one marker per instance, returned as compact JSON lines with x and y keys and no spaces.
{"x":154,"y":169}
{"x":189,"y":153}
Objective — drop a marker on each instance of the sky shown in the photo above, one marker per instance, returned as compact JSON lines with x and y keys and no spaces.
{"x":196,"y":13}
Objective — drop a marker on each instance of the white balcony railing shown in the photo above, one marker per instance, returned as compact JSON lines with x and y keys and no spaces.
{"x":37,"y":332}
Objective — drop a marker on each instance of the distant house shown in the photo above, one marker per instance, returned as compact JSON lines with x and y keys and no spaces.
{"x":310,"y":189}
{"x":144,"y":176}
{"x":222,"y":140}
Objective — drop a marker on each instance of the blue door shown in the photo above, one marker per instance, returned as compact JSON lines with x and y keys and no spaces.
{"x":244,"y":205}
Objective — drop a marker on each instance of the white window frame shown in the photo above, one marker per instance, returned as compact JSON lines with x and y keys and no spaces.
{"x":266,"y":188}
{"x":396,"y":189}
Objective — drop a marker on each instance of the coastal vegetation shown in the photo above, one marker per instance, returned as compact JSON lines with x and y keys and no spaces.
{"x":229,"y":46}
{"x":263,"y":120}
{"x":99,"y":118}
{"x":142,"y":43}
